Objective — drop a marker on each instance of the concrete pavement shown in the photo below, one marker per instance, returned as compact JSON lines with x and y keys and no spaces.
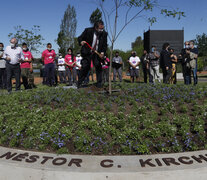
{"x":25,"y":165}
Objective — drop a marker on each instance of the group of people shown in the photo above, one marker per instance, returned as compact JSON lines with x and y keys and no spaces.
{"x":68,"y":68}
{"x":16,"y":62}
{"x":167,"y":60}
{"x":93,"y":42}
{"x":75,"y":69}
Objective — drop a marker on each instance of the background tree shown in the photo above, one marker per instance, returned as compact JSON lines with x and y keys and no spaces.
{"x":67,"y":30}
{"x":95,"y":16}
{"x":131,"y":10}
{"x":201,"y":42}
{"x":137,"y":43}
{"x":76,"y":46}
{"x":137,"y":46}
{"x":32,"y":37}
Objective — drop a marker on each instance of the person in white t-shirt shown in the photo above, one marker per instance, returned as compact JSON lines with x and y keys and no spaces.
{"x":78,"y":63}
{"x":134,"y":62}
{"x":61,"y":69}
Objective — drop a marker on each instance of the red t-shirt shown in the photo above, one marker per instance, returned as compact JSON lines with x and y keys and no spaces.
{"x":49,"y":56}
{"x":27,"y":56}
{"x":68,"y":59}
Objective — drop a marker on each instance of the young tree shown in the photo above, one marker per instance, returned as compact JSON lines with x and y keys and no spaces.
{"x":131,"y":9}
{"x":67,"y":30}
{"x":95,"y":16}
{"x":31,"y":37}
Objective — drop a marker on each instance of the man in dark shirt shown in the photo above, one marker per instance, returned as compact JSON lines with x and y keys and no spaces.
{"x":96,"y":37}
{"x":145,"y":66}
{"x":165,"y":63}
{"x":182,"y":56}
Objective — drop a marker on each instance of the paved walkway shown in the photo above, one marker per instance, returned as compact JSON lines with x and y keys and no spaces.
{"x":26,"y":165}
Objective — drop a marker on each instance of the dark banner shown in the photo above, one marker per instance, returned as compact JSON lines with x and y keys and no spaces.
{"x":158,"y":37}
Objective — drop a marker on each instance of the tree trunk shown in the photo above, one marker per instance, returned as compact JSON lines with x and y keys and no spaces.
{"x":110,"y":67}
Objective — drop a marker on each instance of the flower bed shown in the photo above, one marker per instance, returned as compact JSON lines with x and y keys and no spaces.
{"x":140,"y":119}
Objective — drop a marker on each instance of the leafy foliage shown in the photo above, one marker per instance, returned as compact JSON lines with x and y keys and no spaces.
{"x":67,"y":30}
{"x":141,"y":119}
{"x":95,"y":16}
{"x":201,"y":42}
{"x":31,"y":37}
{"x":140,"y":7}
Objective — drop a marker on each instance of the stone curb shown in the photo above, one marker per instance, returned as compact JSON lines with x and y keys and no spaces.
{"x":24,"y":165}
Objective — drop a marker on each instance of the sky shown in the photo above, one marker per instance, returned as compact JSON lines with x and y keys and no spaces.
{"x":48,"y":14}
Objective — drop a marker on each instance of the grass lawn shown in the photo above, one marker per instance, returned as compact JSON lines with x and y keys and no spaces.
{"x":138,"y":119}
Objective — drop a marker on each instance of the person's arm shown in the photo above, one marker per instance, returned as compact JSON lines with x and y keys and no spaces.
{"x":131,"y":64}
{"x":138,"y":62}
{"x":31,"y":67}
{"x":121,"y":61}
{"x":78,"y":65}
{"x":166,"y":59}
{"x":43,"y":57}
{"x":67,"y":63}
{"x":175,"y":58}
{"x":22,"y":58}
{"x":81,"y":38}
{"x":1,"y":55}
{"x":74,"y":61}
{"x":54,"y":54}
{"x":156,"y":54}
{"x":6,"y":56}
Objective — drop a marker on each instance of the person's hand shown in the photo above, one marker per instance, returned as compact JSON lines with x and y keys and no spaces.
{"x":101,"y":55}
{"x":31,"y":70}
{"x":167,"y":68}
{"x":79,"y":68}
{"x":8,"y":58}
{"x":21,"y":60}
{"x":83,"y":42}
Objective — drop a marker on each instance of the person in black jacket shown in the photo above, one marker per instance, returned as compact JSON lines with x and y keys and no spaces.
{"x":96,"y":37}
{"x":145,"y":66}
{"x":165,"y":63}
{"x":182,"y":57}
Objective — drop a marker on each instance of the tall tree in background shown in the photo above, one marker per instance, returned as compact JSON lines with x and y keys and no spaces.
{"x":137,"y":46}
{"x":201,"y":42}
{"x":76,"y":46}
{"x":138,"y":42}
{"x":131,"y":10}
{"x":67,"y":30}
{"x":95,"y":16}
{"x":32,"y":37}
